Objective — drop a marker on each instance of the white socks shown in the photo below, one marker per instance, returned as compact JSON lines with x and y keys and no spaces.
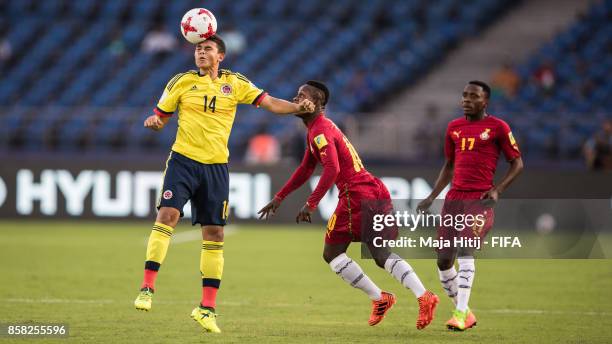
{"x":465,"y":278}
{"x":402,"y":271}
{"x":352,"y":274}
{"x":448,"y":278}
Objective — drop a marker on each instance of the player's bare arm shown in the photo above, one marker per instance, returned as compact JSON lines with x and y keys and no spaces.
{"x":445,"y":177}
{"x":155,"y":122}
{"x":331,"y":170}
{"x":298,"y":178}
{"x":516,"y":167}
{"x":283,"y":107}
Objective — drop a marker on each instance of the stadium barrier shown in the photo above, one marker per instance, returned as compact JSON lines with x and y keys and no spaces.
{"x":92,"y":187}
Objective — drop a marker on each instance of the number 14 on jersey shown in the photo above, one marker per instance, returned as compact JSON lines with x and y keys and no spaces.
{"x":210,"y":106}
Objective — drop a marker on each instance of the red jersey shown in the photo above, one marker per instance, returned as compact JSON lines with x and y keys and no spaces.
{"x":473,"y":147}
{"x":341,"y":164}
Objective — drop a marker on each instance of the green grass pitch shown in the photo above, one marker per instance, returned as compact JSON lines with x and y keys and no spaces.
{"x":276,"y":289}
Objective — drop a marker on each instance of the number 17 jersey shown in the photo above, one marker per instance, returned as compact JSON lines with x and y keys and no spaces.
{"x":206,"y":111}
{"x":474,"y":147}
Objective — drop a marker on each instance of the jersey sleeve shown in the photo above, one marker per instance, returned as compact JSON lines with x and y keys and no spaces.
{"x":449,"y":145}
{"x":331,"y":168}
{"x":247,"y":92}
{"x":168,"y":102}
{"x":300,"y":176}
{"x":507,"y":142}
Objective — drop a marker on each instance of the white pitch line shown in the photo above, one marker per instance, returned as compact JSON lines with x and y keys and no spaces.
{"x":284,"y":305}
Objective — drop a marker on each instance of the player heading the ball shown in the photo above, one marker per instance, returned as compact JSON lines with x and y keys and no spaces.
{"x":196,"y":169}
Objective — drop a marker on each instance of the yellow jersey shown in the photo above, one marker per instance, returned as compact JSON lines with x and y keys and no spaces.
{"x":206,"y":111}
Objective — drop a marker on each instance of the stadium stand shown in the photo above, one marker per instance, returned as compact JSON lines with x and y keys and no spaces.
{"x":554,"y":121}
{"x":68,"y":88}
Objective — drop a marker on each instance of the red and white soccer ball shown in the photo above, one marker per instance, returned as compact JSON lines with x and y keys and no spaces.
{"x":198,"y":24}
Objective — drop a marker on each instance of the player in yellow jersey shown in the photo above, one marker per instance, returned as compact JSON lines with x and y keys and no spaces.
{"x":196,"y":169}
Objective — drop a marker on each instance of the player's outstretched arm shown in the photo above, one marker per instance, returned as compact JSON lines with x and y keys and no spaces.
{"x":445,"y":177}
{"x":155,"y":122}
{"x":283,"y":107}
{"x":516,"y":167}
{"x":298,"y":178}
{"x":331,"y":169}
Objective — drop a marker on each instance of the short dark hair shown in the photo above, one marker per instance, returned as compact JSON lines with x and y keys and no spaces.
{"x":485,"y":87}
{"x":320,"y":86}
{"x":220,"y":43}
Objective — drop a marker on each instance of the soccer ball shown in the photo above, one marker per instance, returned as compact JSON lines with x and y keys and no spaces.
{"x":198,"y":24}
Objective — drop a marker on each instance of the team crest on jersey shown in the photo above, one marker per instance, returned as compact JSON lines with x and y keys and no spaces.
{"x":167,"y":194}
{"x":226,"y":89}
{"x":485,"y":134}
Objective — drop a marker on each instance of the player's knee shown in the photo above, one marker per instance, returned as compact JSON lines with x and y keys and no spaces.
{"x":380,"y":262}
{"x":465,"y":252}
{"x":328,"y":256}
{"x":212,"y":233}
{"x":168,"y":216}
{"x":380,"y":257}
{"x":332,"y":251}
{"x":444,"y":263}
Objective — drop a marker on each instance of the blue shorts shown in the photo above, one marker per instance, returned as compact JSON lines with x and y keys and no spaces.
{"x":205,"y":185}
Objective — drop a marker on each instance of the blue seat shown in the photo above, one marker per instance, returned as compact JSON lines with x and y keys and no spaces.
{"x":404,"y":41}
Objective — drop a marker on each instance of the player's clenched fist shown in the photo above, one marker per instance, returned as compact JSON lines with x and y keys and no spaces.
{"x":306,"y":106}
{"x":153,"y":122}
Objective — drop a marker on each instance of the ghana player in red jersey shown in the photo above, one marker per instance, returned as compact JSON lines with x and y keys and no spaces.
{"x":328,"y":146}
{"x":472,"y":147}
